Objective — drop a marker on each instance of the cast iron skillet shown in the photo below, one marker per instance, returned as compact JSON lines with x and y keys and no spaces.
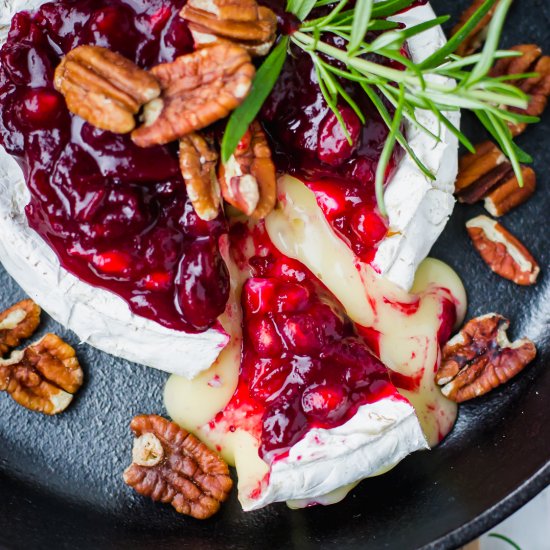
{"x":61,"y":478}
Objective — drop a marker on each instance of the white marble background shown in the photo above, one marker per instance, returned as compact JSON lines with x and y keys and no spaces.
{"x":529,"y":528}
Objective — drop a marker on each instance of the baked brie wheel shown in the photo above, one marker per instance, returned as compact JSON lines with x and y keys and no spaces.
{"x":299,"y":353}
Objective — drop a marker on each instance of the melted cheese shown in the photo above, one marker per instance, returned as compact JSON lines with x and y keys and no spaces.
{"x":408,"y":342}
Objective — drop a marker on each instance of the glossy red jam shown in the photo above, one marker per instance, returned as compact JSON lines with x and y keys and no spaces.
{"x":117,"y":216}
{"x":303,"y":363}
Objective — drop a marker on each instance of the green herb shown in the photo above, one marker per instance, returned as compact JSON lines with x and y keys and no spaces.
{"x":387,"y":152}
{"x":505,"y":539}
{"x":442,"y":83}
{"x":246,"y":112}
{"x":360,"y":24}
{"x":301,"y":8}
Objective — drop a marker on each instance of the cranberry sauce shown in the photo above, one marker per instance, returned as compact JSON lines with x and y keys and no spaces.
{"x":117,"y":216}
{"x":309,"y":142}
{"x":303,"y":363}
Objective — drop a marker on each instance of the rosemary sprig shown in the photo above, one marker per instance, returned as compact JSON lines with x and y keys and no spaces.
{"x":246,"y":112}
{"x":423,"y":86}
{"x":505,"y":539}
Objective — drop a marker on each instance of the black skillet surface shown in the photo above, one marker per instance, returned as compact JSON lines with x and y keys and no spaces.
{"x":60,"y":478}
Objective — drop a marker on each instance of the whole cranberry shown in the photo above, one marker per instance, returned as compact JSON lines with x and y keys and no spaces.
{"x":201,"y":284}
{"x":269,"y":377}
{"x":331,"y":196}
{"x":123,"y":211}
{"x":289,"y":270}
{"x":283,"y":423}
{"x":358,"y":366}
{"x":264,"y":337}
{"x":162,"y":248}
{"x":331,"y":323}
{"x":26,"y":65}
{"x":112,"y":27}
{"x":300,"y":332}
{"x":258,"y":296}
{"x":324,"y":401}
{"x":41,"y":107}
{"x":334,"y":147}
{"x":292,"y":297}
{"x":369,"y":226}
{"x":362,"y":169}
{"x":113,"y":262}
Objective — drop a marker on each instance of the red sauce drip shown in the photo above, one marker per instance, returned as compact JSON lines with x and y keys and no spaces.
{"x":447,"y":320}
{"x":407,"y":382}
{"x":304,"y":364}
{"x":407,"y":308}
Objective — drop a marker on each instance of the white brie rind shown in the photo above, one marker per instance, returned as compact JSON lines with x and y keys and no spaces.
{"x":97,"y":316}
{"x":376,"y":438}
{"x":418,"y":207}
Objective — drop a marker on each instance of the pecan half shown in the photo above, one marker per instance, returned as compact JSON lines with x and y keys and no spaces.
{"x":537,"y":87}
{"x":502,"y":252}
{"x":248,"y":179}
{"x":44,"y":376}
{"x":104,"y":88}
{"x":480,"y":357}
{"x":241,"y":21}
{"x":172,"y":466}
{"x":476,"y":38}
{"x":509,"y":194}
{"x":198,"y":160}
{"x":489,"y":175}
{"x":18,"y":323}
{"x":197,"y":90}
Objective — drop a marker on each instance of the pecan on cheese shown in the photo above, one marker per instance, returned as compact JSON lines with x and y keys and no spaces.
{"x":44,"y":376}
{"x":241,"y":21}
{"x":248,"y":179}
{"x":488,"y":175}
{"x":476,"y":37}
{"x":171,"y":465}
{"x":197,"y":90}
{"x":198,"y":160}
{"x":480,"y":358}
{"x":18,"y":323}
{"x":536,"y":87}
{"x":502,"y":252}
{"x":104,"y":88}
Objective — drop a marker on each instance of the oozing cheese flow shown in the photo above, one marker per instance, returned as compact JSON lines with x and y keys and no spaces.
{"x":407,"y":324}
